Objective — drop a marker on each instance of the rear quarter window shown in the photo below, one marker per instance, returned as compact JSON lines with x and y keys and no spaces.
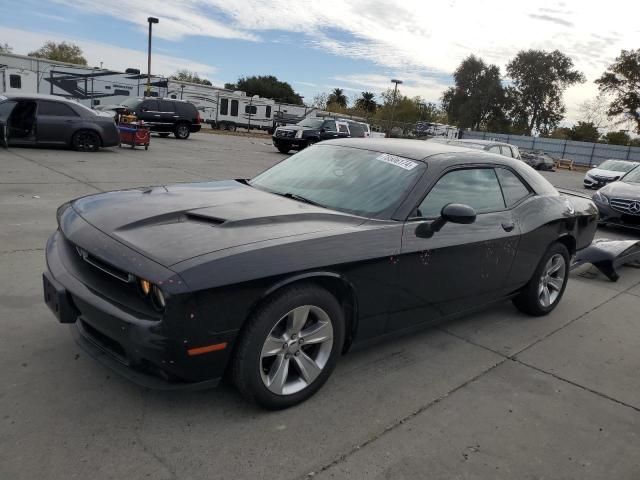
{"x":513,"y":189}
{"x":185,"y":109}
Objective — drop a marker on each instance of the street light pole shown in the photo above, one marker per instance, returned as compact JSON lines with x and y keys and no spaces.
{"x":393,"y":108}
{"x":181,"y":91}
{"x":151,"y":21}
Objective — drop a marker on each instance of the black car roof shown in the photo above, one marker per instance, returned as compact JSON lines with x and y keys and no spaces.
{"x":413,"y":149}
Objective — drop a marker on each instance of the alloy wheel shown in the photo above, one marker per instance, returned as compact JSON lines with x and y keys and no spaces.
{"x":552,"y":280}
{"x":296,"y":350}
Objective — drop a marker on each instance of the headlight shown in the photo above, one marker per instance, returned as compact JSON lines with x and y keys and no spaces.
{"x":145,"y":286}
{"x":600,"y":198}
{"x":299,"y":134}
{"x":153,"y":293}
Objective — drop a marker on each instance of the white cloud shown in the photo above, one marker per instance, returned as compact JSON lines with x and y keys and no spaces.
{"x":115,"y":58}
{"x":409,"y":37}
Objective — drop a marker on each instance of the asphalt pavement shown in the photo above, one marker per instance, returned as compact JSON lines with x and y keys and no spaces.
{"x":496,"y":395}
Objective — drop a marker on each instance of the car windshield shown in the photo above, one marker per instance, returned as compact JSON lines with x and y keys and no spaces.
{"x":633,"y":176}
{"x":617,"y":165}
{"x":361,"y":182}
{"x":131,"y":103}
{"x":311,"y":122}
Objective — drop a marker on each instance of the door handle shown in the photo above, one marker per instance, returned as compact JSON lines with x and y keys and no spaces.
{"x":508,"y":226}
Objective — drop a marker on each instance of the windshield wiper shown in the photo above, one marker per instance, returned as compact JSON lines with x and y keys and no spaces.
{"x":300,"y":198}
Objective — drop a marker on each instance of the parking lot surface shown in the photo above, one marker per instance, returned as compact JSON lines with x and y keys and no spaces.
{"x":494,"y":395}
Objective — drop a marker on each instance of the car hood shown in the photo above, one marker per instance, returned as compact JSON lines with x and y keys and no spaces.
{"x":173,"y":223}
{"x":610,"y":174}
{"x":622,"y":190}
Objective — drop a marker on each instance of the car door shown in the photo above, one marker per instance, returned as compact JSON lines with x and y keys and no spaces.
{"x":168,"y":114}
{"x":149,"y":112}
{"x":6,"y":108}
{"x":55,"y":122}
{"x":460,"y":266}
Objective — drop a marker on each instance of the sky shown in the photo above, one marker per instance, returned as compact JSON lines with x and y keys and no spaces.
{"x":319,"y":45}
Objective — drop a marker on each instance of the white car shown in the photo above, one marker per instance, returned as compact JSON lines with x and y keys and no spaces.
{"x":608,"y":171}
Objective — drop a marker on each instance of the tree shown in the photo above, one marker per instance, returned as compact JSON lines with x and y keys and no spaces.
{"x":266,"y":86}
{"x":367,"y":102}
{"x":539,"y":78}
{"x":622,"y":81}
{"x":5,"y":48}
{"x":62,"y":52}
{"x":187,"y":76}
{"x":477,"y":96}
{"x":584,"y":132}
{"x":338,"y":98}
{"x":617,"y":138}
{"x":320,"y":101}
{"x":595,"y":111}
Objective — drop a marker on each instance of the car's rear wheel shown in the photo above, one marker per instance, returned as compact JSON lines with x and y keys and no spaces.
{"x":86,"y":141}
{"x":182,"y":131}
{"x":546,"y":288}
{"x":289,"y":347}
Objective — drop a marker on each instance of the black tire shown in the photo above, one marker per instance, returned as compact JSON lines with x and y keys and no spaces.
{"x":283,"y":149}
{"x":164,"y":134}
{"x":531,"y":300}
{"x":86,"y":141}
{"x":182,"y":131}
{"x":248,"y":369}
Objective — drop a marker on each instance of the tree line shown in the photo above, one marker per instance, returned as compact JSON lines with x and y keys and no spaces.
{"x":527,"y":102}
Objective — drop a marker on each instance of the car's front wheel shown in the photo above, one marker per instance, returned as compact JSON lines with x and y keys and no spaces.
{"x":283,"y":149}
{"x":289,"y":347}
{"x":545,"y":289}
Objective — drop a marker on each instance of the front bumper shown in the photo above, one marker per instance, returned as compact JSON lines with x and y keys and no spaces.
{"x":590,"y":182}
{"x":610,"y":216}
{"x":292,"y":143}
{"x":152,"y":352}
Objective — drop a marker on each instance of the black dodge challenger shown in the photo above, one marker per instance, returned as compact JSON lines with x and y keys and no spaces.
{"x":269,"y":280}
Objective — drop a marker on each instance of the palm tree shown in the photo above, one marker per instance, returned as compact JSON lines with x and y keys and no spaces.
{"x":338,"y":97}
{"x":366,"y":102}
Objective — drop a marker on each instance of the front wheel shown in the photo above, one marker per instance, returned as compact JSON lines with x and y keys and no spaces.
{"x":289,"y":347}
{"x":86,"y":141}
{"x":182,"y":131}
{"x":545,"y":289}
{"x":283,"y":149}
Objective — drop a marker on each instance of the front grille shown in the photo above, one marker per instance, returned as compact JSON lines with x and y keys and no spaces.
{"x":104,"y":266}
{"x":285,"y":133}
{"x":625,"y":205}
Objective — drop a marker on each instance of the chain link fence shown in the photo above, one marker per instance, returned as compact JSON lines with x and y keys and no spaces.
{"x":582,"y":153}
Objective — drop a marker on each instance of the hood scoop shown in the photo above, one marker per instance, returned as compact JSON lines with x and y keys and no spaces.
{"x":203,"y":218}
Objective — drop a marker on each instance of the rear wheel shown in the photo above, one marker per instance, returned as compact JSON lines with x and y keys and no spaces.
{"x":545,"y":289}
{"x":86,"y":141}
{"x":182,"y":131}
{"x":289,"y":347}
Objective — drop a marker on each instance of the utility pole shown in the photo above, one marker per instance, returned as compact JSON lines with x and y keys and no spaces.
{"x":151,"y":21}
{"x":393,"y":108}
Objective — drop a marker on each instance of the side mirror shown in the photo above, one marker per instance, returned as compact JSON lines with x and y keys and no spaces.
{"x":453,"y":213}
{"x":322,"y":130}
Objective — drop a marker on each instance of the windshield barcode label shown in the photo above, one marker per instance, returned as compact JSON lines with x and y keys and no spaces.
{"x":397,"y":161}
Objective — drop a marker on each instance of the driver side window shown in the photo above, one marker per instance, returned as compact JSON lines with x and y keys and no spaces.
{"x":476,"y":187}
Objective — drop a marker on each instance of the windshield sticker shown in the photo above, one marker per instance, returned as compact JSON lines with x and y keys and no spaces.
{"x":397,"y":161}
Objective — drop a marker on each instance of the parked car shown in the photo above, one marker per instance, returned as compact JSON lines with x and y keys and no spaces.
{"x":608,"y":171}
{"x":55,"y":121}
{"x":313,"y":130}
{"x":500,"y":148}
{"x":539,"y":160}
{"x":271,"y":279}
{"x":619,"y":202}
{"x":163,"y":115}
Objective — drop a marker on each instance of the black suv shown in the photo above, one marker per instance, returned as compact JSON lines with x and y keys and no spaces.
{"x":308,"y":132}
{"x":163,"y":115}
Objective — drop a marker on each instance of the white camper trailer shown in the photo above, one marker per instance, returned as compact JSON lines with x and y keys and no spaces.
{"x":89,"y":86}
